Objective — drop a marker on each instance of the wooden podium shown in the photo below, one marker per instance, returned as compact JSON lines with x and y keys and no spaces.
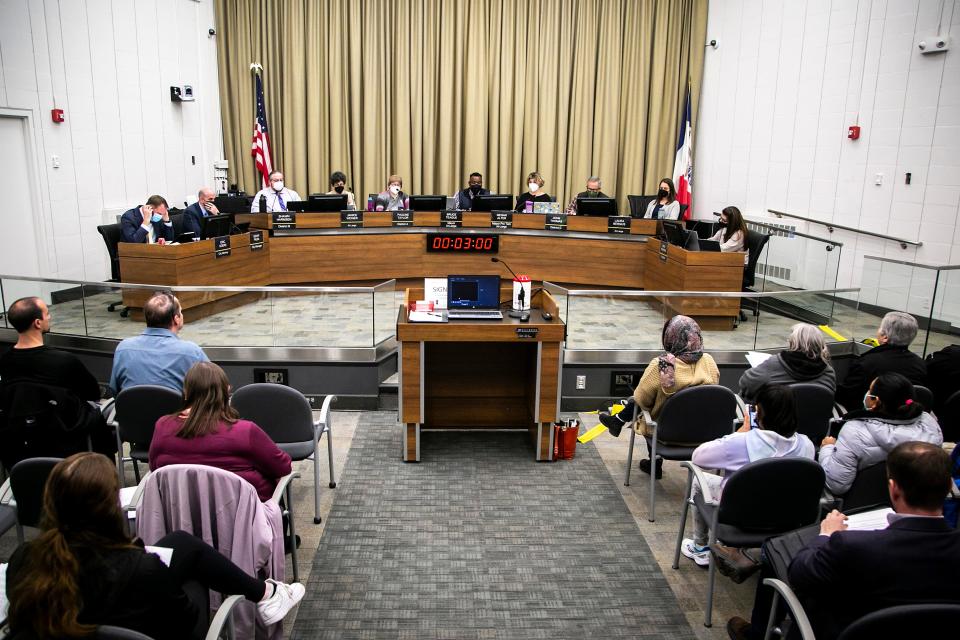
{"x":243,"y":261}
{"x":472,"y":374}
{"x":668,"y":267}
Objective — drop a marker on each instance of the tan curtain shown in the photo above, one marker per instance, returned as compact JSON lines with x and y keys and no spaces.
{"x":435,"y":89}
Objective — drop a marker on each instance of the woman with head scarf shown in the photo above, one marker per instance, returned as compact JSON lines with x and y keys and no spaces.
{"x":684,"y":364}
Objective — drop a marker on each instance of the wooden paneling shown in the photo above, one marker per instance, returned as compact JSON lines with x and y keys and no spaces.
{"x":410,"y":390}
{"x":549,"y":374}
{"x":410,"y":437}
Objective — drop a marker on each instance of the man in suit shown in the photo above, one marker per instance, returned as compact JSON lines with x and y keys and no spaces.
{"x":842,"y":575}
{"x":897,"y":330}
{"x":194,"y":214}
{"x":943,"y":374}
{"x":148,"y":222}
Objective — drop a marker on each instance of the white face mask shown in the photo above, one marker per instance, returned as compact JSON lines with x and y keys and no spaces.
{"x":394,"y":189}
{"x":534,"y":187}
{"x":278,"y":185}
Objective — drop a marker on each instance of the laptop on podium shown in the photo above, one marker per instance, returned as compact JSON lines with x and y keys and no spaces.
{"x":473,"y":298}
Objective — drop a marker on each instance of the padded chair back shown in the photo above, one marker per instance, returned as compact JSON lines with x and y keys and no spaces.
{"x":814,"y":410}
{"x":139,"y":408}
{"x":697,"y":414}
{"x":177,"y":220}
{"x":869,"y":489}
{"x":281,"y":411}
{"x":927,"y":620}
{"x":683,"y":210}
{"x":639,"y":204}
{"x":28,"y":478}
{"x":111,"y":237}
{"x":756,"y":241}
{"x":949,"y":417}
{"x":924,"y":396}
{"x":774,"y":495}
{"x":106,"y":632}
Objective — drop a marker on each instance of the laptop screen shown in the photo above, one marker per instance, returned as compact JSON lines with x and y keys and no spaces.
{"x":473,"y":292}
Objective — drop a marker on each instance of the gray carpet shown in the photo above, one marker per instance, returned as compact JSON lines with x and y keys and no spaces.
{"x":480,"y":541}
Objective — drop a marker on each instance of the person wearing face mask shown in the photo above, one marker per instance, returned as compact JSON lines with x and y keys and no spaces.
{"x":464,"y":198}
{"x":732,"y":235}
{"x":277,"y":195}
{"x":535,"y":193}
{"x":147,"y":223}
{"x":393,"y":198}
{"x":338,"y":186}
{"x":203,"y":208}
{"x":593,"y":191}
{"x":665,"y":205}
{"x":890,"y":416}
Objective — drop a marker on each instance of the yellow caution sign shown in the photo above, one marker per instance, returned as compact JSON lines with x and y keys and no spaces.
{"x":830,"y":332}
{"x":590,"y":435}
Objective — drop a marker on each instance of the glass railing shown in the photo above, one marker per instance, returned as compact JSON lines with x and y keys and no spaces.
{"x":326,"y":317}
{"x":929,"y":292}
{"x":624,"y":320}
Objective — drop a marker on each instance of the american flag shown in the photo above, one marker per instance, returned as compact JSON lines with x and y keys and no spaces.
{"x":261,"y":142}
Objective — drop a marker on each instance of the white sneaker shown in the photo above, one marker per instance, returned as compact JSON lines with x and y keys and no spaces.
{"x":700,"y":555}
{"x":284,"y":598}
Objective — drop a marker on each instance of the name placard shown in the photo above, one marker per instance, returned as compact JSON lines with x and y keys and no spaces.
{"x":284,"y":220}
{"x":256,"y":240}
{"x":527,"y":332}
{"x":351,"y":219}
{"x":555,"y":221}
{"x":664,"y":247}
{"x":451,"y":219}
{"x":501,"y":219}
{"x":221,"y":246}
{"x":402,"y":219}
{"x":618,"y":224}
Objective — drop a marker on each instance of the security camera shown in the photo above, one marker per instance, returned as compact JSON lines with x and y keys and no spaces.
{"x":211,"y":32}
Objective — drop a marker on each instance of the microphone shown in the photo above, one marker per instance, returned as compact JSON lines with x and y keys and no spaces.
{"x":520,"y":296}
{"x":263,"y":203}
{"x":512,"y":272}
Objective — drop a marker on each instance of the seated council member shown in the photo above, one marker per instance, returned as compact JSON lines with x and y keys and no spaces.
{"x":147,"y":223}
{"x":392,"y":198}
{"x":665,"y":205}
{"x":593,"y":191}
{"x":464,"y":198}
{"x":535,"y":193}
{"x":732,"y":235}
{"x":338,"y":186}
{"x":203,"y":208}
{"x":277,"y":195}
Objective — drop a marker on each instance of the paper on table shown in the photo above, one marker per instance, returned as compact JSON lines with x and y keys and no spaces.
{"x":869,"y":520}
{"x":165,"y":553}
{"x":424,"y":316}
{"x":755,"y":357}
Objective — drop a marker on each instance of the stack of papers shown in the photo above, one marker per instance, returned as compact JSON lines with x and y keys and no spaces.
{"x":869,"y":520}
{"x":425,"y":316}
{"x":755,"y":358}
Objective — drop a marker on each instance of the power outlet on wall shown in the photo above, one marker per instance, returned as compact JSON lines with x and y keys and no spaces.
{"x":581,"y":382}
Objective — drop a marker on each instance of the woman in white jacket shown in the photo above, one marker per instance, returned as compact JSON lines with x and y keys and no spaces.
{"x":890,"y":416}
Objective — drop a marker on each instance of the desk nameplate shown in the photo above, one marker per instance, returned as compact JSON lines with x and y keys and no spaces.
{"x":555,"y":221}
{"x":256,"y":240}
{"x":351,"y":219}
{"x":451,"y":219}
{"x":284,"y":220}
{"x":501,"y":220}
{"x":618,"y":224}
{"x":402,"y":219}
{"x":221,"y":246}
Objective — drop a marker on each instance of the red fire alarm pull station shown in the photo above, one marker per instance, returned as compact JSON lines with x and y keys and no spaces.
{"x":853,"y":132}
{"x":57,"y":115}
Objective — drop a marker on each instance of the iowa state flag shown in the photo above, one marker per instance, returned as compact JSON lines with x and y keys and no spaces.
{"x":683,"y":165}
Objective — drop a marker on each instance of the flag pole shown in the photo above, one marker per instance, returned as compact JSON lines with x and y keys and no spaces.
{"x":255,"y":70}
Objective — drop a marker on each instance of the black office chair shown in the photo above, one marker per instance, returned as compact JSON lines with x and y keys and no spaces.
{"x":949,"y":418}
{"x":177,"y":219}
{"x":814,"y":410}
{"x":683,"y":210}
{"x":930,"y":620}
{"x":761,"y":500}
{"x":924,"y":396}
{"x":868,"y":491}
{"x":639,"y":204}
{"x":755,"y":243}
{"x":137,"y":411}
{"x":28,"y":478}
{"x":112,"y":235}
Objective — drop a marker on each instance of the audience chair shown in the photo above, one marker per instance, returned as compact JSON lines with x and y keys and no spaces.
{"x":693,"y":416}
{"x":868,"y":491}
{"x":112,"y":234}
{"x":28,"y":478}
{"x":221,"y":625}
{"x":905,"y":621}
{"x":924,"y":396}
{"x":799,"y":617}
{"x":761,"y":500}
{"x":949,"y":418}
{"x":285,"y":415}
{"x":137,"y":410}
{"x":815,"y":411}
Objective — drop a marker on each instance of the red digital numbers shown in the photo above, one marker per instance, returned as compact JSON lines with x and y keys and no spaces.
{"x":462,"y":243}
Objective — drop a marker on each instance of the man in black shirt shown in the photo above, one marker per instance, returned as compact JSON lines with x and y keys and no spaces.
{"x":31,"y":361}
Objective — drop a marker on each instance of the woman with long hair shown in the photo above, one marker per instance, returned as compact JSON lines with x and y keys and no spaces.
{"x":890,"y":416}
{"x":684,"y":364}
{"x":732,"y":235}
{"x":209,"y":431}
{"x":665,"y":205}
{"x":84,"y":570}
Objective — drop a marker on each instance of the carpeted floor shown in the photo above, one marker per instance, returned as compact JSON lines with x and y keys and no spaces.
{"x":480,"y":541}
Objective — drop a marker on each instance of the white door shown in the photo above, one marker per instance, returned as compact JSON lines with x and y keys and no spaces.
{"x":19,"y":211}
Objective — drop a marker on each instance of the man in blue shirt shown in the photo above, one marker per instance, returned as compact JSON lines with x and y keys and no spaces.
{"x":157,"y":356}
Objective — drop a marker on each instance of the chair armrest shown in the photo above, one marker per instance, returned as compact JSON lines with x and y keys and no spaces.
{"x":282,"y":486}
{"x":138,"y":494}
{"x":700,"y":475}
{"x":651,"y":423}
{"x":839,"y":409}
{"x":222,"y":616}
{"x":109,"y":410}
{"x":741,"y":406}
{"x":796,"y":609}
{"x":324,"y":418}
{"x":6,"y":493}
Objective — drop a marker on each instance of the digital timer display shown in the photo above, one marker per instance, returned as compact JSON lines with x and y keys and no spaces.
{"x":462,"y":243}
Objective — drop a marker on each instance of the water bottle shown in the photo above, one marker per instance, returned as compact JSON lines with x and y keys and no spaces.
{"x":263,"y":203}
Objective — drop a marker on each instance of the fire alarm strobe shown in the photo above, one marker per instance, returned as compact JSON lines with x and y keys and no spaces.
{"x":57,"y":115}
{"x":853,"y":132}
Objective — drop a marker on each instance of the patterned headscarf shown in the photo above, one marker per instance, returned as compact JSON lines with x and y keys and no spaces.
{"x":681,"y":341}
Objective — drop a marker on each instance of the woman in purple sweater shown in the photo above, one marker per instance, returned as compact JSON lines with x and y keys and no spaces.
{"x":210,"y":432}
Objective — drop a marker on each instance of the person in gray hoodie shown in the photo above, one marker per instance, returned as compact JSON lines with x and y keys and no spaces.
{"x":890,"y":416}
{"x":805,"y":359}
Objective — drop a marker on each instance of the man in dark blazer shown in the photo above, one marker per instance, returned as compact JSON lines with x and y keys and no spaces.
{"x":943,"y":373}
{"x":897,"y":330}
{"x":194,"y":214}
{"x":844,"y":575}
{"x":148,"y":222}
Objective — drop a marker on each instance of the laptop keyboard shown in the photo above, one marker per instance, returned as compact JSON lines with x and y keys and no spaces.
{"x":474,"y":314}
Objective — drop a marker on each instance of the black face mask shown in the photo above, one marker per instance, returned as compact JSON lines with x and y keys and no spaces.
{"x":475,"y":190}
{"x":721,"y":223}
{"x":338,"y":189}
{"x":662,"y":193}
